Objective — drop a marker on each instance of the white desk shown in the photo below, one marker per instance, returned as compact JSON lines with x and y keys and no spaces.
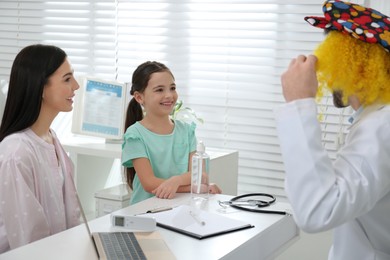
{"x":93,"y":159}
{"x":270,"y":236}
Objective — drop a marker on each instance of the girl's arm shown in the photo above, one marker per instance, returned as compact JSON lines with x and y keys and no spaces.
{"x":162,"y":188}
{"x":144,"y":171}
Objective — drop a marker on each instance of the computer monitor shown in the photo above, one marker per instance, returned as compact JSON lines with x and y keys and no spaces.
{"x":100,"y":109}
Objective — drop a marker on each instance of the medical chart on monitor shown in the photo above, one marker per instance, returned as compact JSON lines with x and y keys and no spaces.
{"x":99,"y":108}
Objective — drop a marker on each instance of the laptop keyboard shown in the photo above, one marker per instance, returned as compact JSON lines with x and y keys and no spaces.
{"x":121,"y":245}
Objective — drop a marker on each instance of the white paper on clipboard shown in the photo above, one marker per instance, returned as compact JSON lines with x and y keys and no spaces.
{"x":180,"y":219}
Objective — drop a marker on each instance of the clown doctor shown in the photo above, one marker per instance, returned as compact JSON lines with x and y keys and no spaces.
{"x":351,"y":194}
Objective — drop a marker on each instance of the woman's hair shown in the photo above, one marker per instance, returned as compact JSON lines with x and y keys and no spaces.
{"x":30,"y":71}
{"x":139,"y":82}
{"x":354,"y":67}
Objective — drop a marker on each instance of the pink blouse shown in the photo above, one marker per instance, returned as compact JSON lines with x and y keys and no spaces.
{"x":37,"y":192}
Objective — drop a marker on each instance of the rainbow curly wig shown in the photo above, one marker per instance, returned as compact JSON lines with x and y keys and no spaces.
{"x":354,"y":67}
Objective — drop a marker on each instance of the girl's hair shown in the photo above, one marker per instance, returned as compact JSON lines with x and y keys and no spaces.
{"x":139,"y":82}
{"x":354,"y":67}
{"x":30,"y":71}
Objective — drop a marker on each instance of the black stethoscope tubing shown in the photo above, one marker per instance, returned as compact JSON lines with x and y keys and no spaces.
{"x":259,"y":206}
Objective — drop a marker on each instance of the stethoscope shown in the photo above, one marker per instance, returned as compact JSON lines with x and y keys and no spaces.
{"x":254,"y":202}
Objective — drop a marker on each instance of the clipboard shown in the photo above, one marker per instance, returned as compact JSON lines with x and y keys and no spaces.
{"x":198,"y":224}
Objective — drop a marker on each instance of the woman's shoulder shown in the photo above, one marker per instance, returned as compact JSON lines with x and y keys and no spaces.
{"x":16,"y":145}
{"x":27,"y":136}
{"x":17,"y":137}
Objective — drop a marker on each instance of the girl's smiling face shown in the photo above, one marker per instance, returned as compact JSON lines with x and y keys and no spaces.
{"x":160,"y":96}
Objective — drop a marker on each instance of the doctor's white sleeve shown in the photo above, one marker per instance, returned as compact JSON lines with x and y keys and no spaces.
{"x":323,"y":194}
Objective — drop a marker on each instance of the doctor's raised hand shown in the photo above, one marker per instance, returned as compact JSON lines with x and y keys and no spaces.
{"x":300,"y":80}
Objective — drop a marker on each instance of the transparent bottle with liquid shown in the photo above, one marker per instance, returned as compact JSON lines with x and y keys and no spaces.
{"x":200,"y":173}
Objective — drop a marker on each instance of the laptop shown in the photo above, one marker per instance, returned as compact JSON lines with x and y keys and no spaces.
{"x":128,"y":245}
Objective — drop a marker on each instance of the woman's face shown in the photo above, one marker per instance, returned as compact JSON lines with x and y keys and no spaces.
{"x":59,"y":91}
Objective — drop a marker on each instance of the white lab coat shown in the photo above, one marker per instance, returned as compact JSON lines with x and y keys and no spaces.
{"x":352,"y":194}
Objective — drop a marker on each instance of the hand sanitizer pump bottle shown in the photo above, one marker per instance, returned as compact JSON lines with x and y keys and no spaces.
{"x":200,"y":173}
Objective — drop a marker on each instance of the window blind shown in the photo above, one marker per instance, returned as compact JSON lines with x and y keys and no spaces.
{"x":84,"y":29}
{"x":227,"y":58}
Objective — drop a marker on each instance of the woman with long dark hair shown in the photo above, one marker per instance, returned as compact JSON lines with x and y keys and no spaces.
{"x":37,"y":194}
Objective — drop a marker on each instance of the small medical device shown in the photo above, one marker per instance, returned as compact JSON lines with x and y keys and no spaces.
{"x":134,"y":222}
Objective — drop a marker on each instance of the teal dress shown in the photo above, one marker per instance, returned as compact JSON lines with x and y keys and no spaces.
{"x":168,"y":154}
